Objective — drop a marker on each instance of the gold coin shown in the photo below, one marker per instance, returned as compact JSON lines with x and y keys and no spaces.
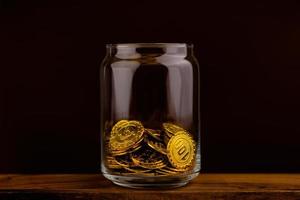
{"x":181,"y":150}
{"x":166,"y":171}
{"x":137,"y":170}
{"x":114,"y":167}
{"x":161,"y":173}
{"x":150,"y":164}
{"x":136,"y":147}
{"x":157,"y":146}
{"x":148,"y":159}
{"x":158,"y":173}
{"x":171,"y":129}
{"x":112,"y":163}
{"x":124,"y":135}
{"x":156,"y":134}
{"x":124,"y":161}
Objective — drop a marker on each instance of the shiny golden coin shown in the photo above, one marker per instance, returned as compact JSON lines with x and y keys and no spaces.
{"x":181,"y":150}
{"x":156,"y":134}
{"x":124,"y":135}
{"x":120,"y":124}
{"x":171,"y":129}
{"x":157,"y":146}
{"x":137,"y":145}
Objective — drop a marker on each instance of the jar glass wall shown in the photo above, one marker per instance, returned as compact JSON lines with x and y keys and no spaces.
{"x":150,"y":115}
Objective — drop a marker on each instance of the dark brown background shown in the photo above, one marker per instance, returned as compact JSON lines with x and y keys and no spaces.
{"x":49,"y":84}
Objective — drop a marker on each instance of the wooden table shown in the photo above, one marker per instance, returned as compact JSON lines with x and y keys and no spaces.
{"x":95,"y":186}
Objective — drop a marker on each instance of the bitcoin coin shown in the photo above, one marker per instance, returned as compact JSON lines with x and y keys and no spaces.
{"x":181,"y":150}
{"x":124,"y":135}
{"x":171,"y":129}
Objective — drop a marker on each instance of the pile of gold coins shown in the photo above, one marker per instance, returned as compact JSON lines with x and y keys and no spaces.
{"x":133,"y":149}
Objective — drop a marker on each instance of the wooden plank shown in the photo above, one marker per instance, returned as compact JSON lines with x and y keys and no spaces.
{"x":95,"y":186}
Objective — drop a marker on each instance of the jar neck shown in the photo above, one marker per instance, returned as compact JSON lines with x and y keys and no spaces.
{"x":140,"y":50}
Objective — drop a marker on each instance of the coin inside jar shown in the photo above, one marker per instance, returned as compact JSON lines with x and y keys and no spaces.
{"x":157,"y":146}
{"x":124,"y":161}
{"x":181,"y":150}
{"x":148,"y":159}
{"x":124,"y":135}
{"x":137,"y":169}
{"x":134,"y":149}
{"x":171,"y":129}
{"x":156,"y":134}
{"x":112,"y":163}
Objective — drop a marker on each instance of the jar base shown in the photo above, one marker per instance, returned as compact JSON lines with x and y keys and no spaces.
{"x":149,"y":185}
{"x":164,"y":182}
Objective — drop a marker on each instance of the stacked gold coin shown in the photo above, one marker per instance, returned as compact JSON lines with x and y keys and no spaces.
{"x":134,"y":149}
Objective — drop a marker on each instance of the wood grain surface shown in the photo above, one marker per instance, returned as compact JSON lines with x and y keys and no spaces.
{"x":95,"y":186}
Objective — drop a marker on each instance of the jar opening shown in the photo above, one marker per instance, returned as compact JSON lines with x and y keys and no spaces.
{"x":136,"y":50}
{"x":149,"y":45}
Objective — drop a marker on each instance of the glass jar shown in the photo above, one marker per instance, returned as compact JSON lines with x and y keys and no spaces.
{"x":150,"y":116}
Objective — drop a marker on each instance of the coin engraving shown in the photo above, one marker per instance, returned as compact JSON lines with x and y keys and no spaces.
{"x":181,"y":150}
{"x":124,"y":135}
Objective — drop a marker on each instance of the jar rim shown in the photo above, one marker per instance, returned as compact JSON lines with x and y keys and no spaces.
{"x":149,"y":45}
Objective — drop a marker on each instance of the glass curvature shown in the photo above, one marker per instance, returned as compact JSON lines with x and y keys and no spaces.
{"x":150,"y":117}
